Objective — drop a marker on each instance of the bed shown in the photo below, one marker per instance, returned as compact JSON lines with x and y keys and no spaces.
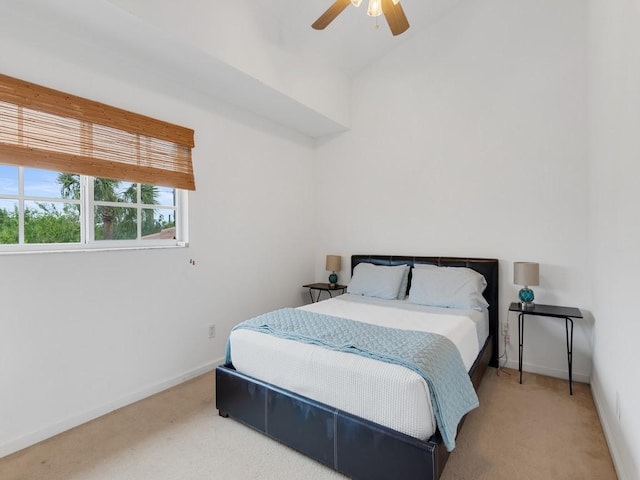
{"x":346,"y":440}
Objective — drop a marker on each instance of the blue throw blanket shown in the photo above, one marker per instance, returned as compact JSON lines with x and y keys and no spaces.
{"x":432,"y":356}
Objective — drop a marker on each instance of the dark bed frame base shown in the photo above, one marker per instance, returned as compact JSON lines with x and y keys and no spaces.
{"x":351,"y":445}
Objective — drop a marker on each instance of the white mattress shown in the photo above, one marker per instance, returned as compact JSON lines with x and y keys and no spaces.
{"x":390,"y":395}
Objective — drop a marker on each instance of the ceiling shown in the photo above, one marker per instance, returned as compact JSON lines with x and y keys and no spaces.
{"x":351,"y":41}
{"x":105,"y":36}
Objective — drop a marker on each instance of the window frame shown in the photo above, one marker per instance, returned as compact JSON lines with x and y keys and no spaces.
{"x":87,"y":221}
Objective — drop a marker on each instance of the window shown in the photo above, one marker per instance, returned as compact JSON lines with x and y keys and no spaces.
{"x":42,"y":209}
{"x":78,"y":172}
{"x":33,"y":210}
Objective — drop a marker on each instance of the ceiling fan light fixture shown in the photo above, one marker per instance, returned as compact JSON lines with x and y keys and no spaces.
{"x":375,"y":8}
{"x":391,"y":9}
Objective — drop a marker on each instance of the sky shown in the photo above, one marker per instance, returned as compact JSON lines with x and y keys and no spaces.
{"x":43,"y":183}
{"x":41,"y":186}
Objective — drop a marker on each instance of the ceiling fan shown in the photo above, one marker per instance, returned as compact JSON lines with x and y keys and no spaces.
{"x":392,"y":10}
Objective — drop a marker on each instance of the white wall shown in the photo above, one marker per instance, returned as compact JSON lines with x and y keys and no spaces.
{"x":470,"y":140}
{"x":615,"y":228}
{"x":84,"y":333}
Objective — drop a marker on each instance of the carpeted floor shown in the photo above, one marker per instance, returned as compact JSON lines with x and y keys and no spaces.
{"x":529,"y":431}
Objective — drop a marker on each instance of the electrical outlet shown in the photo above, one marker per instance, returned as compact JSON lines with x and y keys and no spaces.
{"x":212,"y":331}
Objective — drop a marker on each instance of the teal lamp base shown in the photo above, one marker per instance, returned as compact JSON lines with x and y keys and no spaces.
{"x":333,"y":280}
{"x":526,"y":298}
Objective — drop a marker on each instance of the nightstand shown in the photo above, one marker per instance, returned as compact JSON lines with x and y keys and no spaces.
{"x":568,"y":313}
{"x":323,"y":287}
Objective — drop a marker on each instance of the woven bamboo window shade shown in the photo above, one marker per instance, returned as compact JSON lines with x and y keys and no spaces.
{"x":45,"y":128}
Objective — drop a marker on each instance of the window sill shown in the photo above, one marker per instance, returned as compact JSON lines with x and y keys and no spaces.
{"x":87,"y":249}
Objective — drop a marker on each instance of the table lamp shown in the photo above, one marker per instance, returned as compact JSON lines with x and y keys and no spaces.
{"x":526,"y":274}
{"x":334,"y":264}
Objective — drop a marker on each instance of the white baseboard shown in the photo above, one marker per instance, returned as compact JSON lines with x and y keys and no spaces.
{"x":610,"y":437}
{"x":83,"y":417}
{"x":549,"y":372}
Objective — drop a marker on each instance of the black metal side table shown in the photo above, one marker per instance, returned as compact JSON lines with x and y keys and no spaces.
{"x":568,"y":313}
{"x":323,"y":287}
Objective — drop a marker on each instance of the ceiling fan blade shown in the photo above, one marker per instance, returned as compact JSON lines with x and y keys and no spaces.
{"x":332,"y":12}
{"x":395,"y":16}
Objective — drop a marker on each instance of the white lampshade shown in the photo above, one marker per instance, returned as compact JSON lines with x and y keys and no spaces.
{"x":334,"y":263}
{"x":356,"y":3}
{"x":375,"y":8}
{"x":526,"y":273}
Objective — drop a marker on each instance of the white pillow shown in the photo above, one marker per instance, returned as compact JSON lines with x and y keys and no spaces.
{"x":462,"y":270}
{"x":452,"y":287}
{"x":379,"y":281}
{"x":402,"y":290}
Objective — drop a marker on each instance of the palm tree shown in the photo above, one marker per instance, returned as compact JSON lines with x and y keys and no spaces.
{"x":106,"y":190}
{"x":70,"y":185}
{"x":148,"y":196}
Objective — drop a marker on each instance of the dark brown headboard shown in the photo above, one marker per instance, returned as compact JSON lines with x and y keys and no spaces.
{"x":486,"y":266}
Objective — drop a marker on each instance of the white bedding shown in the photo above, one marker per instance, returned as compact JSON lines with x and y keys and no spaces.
{"x":386,"y":394}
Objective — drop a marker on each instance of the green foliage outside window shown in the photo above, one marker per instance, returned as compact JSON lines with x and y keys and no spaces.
{"x":8,"y":226}
{"x":44,"y":224}
{"x":50,"y":224}
{"x":47,"y":224}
